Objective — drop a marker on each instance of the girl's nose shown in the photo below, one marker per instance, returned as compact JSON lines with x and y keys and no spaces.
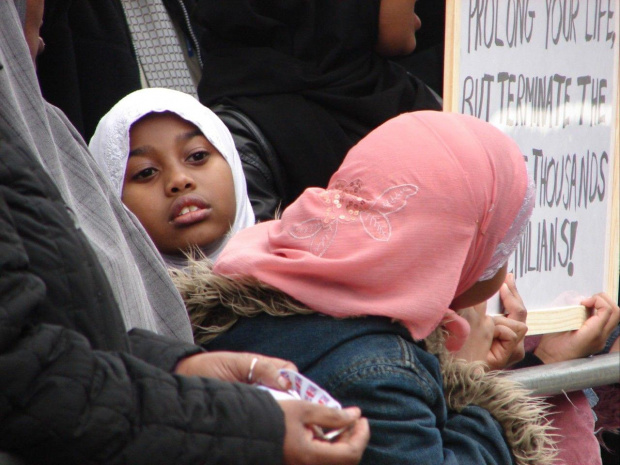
{"x":179,"y":182}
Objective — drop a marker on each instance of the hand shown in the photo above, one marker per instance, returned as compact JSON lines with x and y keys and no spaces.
{"x":482,"y":329}
{"x":588,"y":339}
{"x":302,"y":448}
{"x":507,"y":347}
{"x":509,"y":337}
{"x":235,"y":366}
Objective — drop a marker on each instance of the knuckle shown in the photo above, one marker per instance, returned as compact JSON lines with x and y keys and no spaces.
{"x":521,"y":312}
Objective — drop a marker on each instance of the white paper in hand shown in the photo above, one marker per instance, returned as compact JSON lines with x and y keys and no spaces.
{"x":303,"y":388}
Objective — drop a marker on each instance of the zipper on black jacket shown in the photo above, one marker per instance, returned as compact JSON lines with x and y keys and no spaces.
{"x":190,"y":31}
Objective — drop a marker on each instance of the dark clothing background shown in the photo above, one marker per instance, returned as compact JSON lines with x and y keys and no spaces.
{"x":307,"y":75}
{"x":427,"y":60}
{"x":89,"y":62}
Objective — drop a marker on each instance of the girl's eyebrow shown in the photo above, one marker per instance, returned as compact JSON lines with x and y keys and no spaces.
{"x":179,"y":138}
{"x":141,"y":150}
{"x":189,"y":135}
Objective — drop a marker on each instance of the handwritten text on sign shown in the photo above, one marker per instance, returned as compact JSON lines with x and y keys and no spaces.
{"x":546,"y":72}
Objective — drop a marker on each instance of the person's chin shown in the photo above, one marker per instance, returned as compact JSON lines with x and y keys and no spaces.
{"x":413,"y":45}
{"x":410,"y":47}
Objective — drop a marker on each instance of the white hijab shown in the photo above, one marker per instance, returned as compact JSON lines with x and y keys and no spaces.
{"x":110,"y":145}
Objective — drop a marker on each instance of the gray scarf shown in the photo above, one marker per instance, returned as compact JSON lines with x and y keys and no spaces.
{"x":145,"y":294}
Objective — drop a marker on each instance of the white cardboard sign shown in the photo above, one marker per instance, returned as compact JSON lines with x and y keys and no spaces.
{"x":546,"y":73}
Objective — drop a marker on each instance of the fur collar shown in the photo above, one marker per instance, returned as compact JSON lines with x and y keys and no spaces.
{"x":527,"y":429}
{"x":215,"y":303}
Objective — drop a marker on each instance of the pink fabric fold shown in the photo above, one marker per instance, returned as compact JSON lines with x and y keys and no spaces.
{"x":410,"y":220}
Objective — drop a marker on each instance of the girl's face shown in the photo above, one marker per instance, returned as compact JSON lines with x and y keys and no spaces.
{"x":398,"y":24}
{"x":481,"y":291}
{"x":177,"y":184}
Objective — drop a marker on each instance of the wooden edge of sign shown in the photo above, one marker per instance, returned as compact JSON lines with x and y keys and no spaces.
{"x":613,"y":268}
{"x":555,"y":320}
{"x":451,"y":55}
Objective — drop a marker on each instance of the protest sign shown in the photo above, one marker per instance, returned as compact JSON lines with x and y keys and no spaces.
{"x":546,"y":73}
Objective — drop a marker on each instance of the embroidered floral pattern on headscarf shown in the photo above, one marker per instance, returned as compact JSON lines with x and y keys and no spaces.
{"x":345,"y":205}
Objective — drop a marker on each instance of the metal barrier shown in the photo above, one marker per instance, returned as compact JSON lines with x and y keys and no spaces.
{"x":572,"y":375}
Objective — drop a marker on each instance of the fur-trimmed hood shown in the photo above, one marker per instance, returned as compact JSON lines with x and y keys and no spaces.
{"x":215,"y":303}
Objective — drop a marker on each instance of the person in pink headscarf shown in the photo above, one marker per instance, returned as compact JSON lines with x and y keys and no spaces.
{"x":360,"y":285}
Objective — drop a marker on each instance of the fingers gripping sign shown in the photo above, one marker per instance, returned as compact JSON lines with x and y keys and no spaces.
{"x":587,"y":340}
{"x":499,"y":340}
{"x":513,"y":305}
{"x":510,"y":329}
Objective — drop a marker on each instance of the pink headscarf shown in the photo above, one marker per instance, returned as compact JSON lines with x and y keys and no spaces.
{"x":409,"y":221}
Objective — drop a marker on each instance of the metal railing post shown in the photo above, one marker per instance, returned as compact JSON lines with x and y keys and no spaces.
{"x":572,"y":375}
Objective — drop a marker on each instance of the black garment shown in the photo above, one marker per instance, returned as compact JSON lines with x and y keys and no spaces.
{"x":89,"y":62}
{"x":307,"y":75}
{"x":427,"y":60}
{"x":264,"y":176}
{"x":74,"y":388}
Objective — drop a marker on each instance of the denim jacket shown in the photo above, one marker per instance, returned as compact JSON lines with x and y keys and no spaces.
{"x":374,"y":364}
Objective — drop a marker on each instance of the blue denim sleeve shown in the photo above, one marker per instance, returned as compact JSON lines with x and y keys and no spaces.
{"x":399,"y":389}
{"x":474,"y":433}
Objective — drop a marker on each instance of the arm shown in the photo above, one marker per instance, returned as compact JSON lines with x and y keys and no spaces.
{"x":61,"y":401}
{"x":399,"y":390}
{"x":588,"y":339}
{"x":160,"y":351}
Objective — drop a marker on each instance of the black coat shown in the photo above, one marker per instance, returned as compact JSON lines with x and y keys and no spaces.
{"x":74,"y":387}
{"x":307,"y":74}
{"x":89,"y":62}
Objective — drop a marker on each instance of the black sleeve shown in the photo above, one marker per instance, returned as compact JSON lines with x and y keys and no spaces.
{"x":261,"y":167}
{"x":61,"y":402}
{"x":70,"y":390}
{"x":161,"y":351}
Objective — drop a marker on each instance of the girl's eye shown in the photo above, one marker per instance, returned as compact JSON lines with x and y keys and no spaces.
{"x":144,"y":174}
{"x":198,"y":156}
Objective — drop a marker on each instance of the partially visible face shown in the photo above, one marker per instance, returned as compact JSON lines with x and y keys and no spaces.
{"x":398,"y":24}
{"x":481,"y":291}
{"x":34,"y":20}
{"x":177,"y":184}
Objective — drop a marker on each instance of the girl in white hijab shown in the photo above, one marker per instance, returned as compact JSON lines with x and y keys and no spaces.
{"x":175,"y":166}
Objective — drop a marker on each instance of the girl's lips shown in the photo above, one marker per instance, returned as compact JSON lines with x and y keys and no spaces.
{"x":188,"y":210}
{"x":192,"y":217}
